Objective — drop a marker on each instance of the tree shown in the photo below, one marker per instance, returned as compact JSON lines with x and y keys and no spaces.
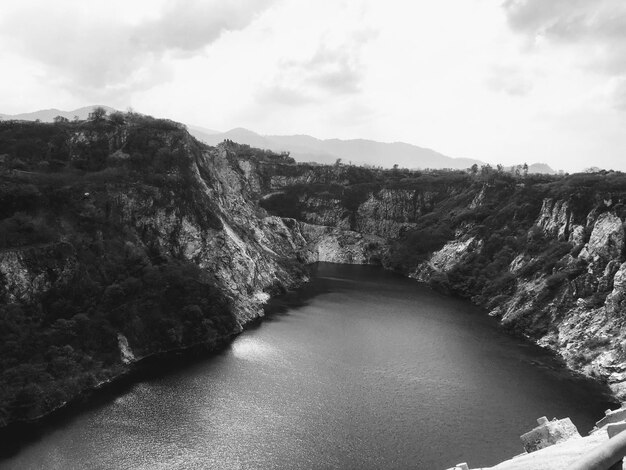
{"x":97,"y":114}
{"x":474,"y":169}
{"x":525,"y":169}
{"x":60,"y":120}
{"x":117,"y":118}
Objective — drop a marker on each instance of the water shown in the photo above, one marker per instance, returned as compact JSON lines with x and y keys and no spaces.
{"x":359,"y":369}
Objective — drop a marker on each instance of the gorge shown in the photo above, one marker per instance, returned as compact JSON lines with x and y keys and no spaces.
{"x":125,"y":238}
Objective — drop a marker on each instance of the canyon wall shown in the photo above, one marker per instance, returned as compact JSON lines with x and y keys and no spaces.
{"x":129,"y":239}
{"x":138,"y":241}
{"x":545,"y":256}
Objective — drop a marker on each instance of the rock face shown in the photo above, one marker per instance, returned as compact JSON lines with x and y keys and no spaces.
{"x":444,"y":260}
{"x":387,"y":213}
{"x":339,"y":246}
{"x":607,"y":239}
{"x":245,"y":221}
{"x":26,"y":272}
{"x":569,"y":295}
{"x":555,"y":218}
{"x":168,"y":247}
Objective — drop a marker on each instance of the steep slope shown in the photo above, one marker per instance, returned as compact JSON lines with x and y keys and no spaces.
{"x":122,"y":239}
{"x":544,"y":254}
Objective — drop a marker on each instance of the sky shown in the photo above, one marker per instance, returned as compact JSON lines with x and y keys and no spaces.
{"x":503,"y":81}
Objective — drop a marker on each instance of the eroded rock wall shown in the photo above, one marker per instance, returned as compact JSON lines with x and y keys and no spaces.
{"x":577,"y":308}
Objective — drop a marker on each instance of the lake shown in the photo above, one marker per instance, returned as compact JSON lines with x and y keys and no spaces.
{"x":360,"y":368}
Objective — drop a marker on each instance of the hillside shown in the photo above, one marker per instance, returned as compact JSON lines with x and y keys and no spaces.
{"x":125,"y":238}
{"x":121,"y":239}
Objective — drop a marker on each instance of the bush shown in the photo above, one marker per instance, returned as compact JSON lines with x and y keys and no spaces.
{"x":556,"y":280}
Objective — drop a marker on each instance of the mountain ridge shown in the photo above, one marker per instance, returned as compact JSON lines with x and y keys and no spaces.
{"x":359,"y":151}
{"x":306,"y":148}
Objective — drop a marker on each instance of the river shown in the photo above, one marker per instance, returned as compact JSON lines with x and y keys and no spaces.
{"x":359,"y":369}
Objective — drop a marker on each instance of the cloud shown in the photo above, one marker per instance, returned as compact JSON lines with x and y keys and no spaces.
{"x":282,"y":94}
{"x":334,"y":70}
{"x":596,"y":27}
{"x":601,"y":23}
{"x":190,"y":25}
{"x":331,"y":71}
{"x":100,"y":51}
{"x":509,"y":80}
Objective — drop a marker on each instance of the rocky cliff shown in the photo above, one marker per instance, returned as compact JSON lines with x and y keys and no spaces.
{"x":126,"y":238}
{"x":545,"y":255}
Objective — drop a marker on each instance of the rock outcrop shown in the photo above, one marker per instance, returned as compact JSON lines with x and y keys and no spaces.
{"x":447,"y":258}
{"x":555,"y":218}
{"x":606,"y":241}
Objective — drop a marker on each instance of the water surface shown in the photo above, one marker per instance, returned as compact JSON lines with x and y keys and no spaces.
{"x":359,"y":369}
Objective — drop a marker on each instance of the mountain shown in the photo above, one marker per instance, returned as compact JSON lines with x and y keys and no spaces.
{"x":47,"y":115}
{"x":202,"y":133}
{"x":542,"y":168}
{"x":306,"y":148}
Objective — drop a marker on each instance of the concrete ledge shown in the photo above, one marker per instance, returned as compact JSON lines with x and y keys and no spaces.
{"x":612,"y":416}
{"x":560,"y":456}
{"x":615,"y":428}
{"x":549,"y":433}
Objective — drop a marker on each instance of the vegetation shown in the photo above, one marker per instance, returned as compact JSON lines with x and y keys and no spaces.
{"x":63,"y":188}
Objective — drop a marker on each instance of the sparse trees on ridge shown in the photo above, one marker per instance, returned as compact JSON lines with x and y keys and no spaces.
{"x":97,"y":114}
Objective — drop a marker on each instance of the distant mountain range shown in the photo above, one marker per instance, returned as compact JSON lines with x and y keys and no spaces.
{"x":305,"y":148}
{"x":47,"y":115}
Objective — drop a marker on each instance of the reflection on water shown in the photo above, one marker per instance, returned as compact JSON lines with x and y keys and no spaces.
{"x":251,"y":348}
{"x":359,"y":369}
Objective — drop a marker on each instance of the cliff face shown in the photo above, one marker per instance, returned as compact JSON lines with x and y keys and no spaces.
{"x":121,"y":240}
{"x":131,"y":240}
{"x":546,"y":256}
{"x":576,"y":306}
{"x":585,"y":317}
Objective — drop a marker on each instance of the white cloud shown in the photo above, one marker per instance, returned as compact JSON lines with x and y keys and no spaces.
{"x":92,"y":49}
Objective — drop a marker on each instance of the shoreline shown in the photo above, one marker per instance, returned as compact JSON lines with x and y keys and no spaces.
{"x":18,"y":434}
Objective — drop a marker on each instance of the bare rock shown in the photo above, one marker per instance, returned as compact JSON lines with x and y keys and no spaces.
{"x":607,"y":239}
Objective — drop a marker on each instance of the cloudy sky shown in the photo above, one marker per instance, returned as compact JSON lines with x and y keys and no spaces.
{"x":500,"y":80}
